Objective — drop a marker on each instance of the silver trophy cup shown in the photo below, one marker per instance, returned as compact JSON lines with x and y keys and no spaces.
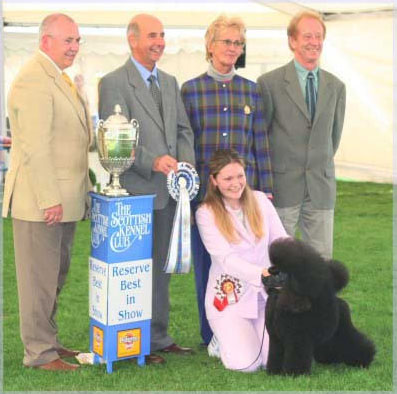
{"x":117,"y":140}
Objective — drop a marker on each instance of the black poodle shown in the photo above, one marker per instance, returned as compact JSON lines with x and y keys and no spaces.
{"x":304,"y":317}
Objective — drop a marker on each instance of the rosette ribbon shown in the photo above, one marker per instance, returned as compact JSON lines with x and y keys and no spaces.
{"x":183,"y":186}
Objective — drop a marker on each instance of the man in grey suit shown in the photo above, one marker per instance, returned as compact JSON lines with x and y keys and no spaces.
{"x":152,"y":97}
{"x":304,"y":136}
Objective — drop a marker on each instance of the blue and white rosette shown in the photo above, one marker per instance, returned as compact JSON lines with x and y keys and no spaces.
{"x":182,"y":186}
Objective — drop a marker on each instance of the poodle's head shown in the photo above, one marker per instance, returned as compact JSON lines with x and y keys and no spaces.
{"x":308,"y":274}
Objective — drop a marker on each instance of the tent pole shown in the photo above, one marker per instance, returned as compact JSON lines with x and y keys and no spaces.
{"x":3,"y":131}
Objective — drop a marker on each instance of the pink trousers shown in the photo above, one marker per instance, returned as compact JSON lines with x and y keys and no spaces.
{"x":243,"y":343}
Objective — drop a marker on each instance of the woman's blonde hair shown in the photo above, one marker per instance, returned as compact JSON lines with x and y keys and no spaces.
{"x":221,"y":23}
{"x":214,"y":199}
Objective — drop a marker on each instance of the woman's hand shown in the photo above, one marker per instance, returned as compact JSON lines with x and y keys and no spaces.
{"x":265,"y":272}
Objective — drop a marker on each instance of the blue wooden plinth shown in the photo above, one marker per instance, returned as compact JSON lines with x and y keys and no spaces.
{"x":120,"y":275}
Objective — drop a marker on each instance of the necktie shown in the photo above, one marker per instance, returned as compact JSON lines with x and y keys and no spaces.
{"x":311,"y":95}
{"x":155,"y":91}
{"x":71,"y":84}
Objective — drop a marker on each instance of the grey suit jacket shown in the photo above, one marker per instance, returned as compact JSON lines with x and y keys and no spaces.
{"x":173,"y":137}
{"x":303,"y":153}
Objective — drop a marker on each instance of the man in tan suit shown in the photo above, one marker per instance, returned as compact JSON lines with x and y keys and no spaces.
{"x":46,"y":185}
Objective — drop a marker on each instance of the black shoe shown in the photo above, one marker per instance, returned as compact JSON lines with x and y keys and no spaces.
{"x":176,"y":349}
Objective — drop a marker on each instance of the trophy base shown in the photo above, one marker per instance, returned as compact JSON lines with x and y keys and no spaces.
{"x":114,"y":192}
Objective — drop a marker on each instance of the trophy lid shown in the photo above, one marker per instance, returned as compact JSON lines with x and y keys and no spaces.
{"x":116,"y":119}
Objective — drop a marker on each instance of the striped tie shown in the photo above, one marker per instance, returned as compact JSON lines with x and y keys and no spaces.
{"x":311,"y":95}
{"x":155,"y":91}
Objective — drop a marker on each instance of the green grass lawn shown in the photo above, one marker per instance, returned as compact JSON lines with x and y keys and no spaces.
{"x":363,"y":240}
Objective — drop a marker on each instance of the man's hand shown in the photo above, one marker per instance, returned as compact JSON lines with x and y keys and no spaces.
{"x":165,"y":164}
{"x":53,"y":214}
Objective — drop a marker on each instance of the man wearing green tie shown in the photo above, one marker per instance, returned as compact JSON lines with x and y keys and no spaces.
{"x":304,"y":107}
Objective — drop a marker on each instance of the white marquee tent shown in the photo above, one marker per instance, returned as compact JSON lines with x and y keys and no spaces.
{"x":358,"y":49}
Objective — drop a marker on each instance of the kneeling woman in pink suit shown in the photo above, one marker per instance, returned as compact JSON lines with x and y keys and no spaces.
{"x":237,"y":225}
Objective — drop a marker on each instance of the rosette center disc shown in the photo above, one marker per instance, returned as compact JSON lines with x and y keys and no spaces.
{"x":185,"y":176}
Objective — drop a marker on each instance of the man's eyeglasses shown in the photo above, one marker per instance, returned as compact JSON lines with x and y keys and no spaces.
{"x":229,"y":43}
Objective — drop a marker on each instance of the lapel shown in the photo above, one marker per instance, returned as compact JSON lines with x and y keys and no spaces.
{"x":293,"y":88}
{"x":88,"y":120}
{"x":142,"y":94}
{"x":323,"y":94}
{"x":52,"y":72}
{"x":242,"y":231}
{"x":165,"y":88}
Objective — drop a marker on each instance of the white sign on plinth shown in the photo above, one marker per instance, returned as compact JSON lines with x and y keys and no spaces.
{"x":120,"y":292}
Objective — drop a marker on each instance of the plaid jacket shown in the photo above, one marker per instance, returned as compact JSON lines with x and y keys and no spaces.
{"x":228,"y":115}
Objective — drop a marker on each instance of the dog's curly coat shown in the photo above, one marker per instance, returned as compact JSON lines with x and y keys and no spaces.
{"x":305,"y":319}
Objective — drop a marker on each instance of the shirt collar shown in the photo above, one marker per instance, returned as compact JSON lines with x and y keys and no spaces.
{"x":145,"y":73}
{"x":303,"y":72}
{"x":51,"y":61}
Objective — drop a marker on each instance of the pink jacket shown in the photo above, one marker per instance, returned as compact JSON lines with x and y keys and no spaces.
{"x":244,"y":261}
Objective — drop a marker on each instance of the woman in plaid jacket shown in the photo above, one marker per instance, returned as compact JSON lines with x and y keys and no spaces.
{"x":225,"y":112}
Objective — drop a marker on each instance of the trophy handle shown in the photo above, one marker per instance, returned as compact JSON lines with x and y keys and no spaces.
{"x":135,"y":125}
{"x":99,"y":142}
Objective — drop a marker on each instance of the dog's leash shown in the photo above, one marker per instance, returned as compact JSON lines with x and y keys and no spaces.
{"x":272,"y":283}
{"x":260,"y":347}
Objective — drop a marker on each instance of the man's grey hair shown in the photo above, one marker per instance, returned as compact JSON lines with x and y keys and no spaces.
{"x":133,"y":28}
{"x":48,"y":22}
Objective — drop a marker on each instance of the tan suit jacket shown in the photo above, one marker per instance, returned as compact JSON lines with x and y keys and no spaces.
{"x":51,"y":133}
